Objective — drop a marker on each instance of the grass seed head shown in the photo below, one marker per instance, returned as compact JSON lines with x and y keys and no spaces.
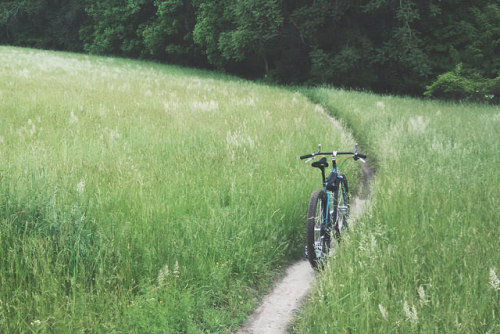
{"x":73,"y":119}
{"x":176,"y":272}
{"x":422,"y":296}
{"x":411,"y":314}
{"x":162,"y":275}
{"x":494,"y":281}
{"x":383,"y":311}
{"x":36,"y":323}
{"x":80,"y":187}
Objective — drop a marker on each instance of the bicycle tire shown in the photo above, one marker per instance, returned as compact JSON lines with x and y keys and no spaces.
{"x":317,"y":237}
{"x":341,"y":200}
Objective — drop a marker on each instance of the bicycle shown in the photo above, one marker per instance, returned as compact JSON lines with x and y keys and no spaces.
{"x":328,"y":207}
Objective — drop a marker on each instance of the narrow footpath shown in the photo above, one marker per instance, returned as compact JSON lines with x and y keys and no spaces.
{"x":279,"y":307}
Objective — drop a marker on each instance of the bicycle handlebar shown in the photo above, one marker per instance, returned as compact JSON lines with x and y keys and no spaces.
{"x":362,"y":156}
{"x":330,"y":153}
{"x":355,"y":154}
{"x":306,"y":156}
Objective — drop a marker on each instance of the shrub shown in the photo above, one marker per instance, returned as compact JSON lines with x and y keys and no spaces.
{"x":464,"y":86}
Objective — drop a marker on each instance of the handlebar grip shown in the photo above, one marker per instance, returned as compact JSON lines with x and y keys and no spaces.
{"x":362,"y":156}
{"x":306,"y":156}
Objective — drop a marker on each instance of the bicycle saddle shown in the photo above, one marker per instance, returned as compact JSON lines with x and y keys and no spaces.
{"x":322,"y":163}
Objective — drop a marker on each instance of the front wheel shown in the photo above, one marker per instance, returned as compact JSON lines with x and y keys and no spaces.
{"x":317,"y":236}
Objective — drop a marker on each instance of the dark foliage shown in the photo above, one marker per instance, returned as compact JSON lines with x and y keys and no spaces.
{"x":49,"y":24}
{"x":397,"y":46}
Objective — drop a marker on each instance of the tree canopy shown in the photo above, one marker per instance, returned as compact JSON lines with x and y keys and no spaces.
{"x":397,"y":46}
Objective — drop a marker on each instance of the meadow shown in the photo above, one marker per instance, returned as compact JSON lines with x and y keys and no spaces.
{"x":425,"y":257}
{"x":137,"y":197}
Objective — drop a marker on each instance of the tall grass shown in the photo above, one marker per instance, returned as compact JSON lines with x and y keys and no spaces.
{"x":137,"y":197}
{"x":426,"y":257}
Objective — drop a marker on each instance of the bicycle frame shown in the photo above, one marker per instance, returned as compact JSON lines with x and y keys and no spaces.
{"x":330,"y":187}
{"x":328,"y":214}
{"x":329,"y":194}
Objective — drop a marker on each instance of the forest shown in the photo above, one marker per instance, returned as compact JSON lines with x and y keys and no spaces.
{"x":439,"y":48}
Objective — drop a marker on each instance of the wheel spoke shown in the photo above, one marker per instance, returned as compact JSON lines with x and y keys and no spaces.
{"x":317,"y":237}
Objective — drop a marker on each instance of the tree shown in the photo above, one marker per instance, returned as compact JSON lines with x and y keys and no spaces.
{"x":212,"y":18}
{"x":257,"y":25}
{"x":465,"y":32}
{"x":169,"y":35}
{"x":241,"y":31}
{"x":116,"y":26}
{"x":52,"y":24}
{"x":396,"y":46}
{"x":403,"y":65}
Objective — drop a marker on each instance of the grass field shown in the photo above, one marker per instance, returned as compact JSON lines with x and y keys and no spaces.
{"x":137,"y":197}
{"x":426,"y":258}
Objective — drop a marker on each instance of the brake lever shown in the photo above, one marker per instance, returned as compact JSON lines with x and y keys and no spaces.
{"x":309,"y":159}
{"x":362,"y":160}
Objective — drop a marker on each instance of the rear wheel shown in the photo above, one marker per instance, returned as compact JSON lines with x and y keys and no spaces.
{"x":341,"y":206}
{"x":317,"y":237}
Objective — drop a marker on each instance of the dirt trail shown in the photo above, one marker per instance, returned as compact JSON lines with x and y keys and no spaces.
{"x":278,"y":308}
